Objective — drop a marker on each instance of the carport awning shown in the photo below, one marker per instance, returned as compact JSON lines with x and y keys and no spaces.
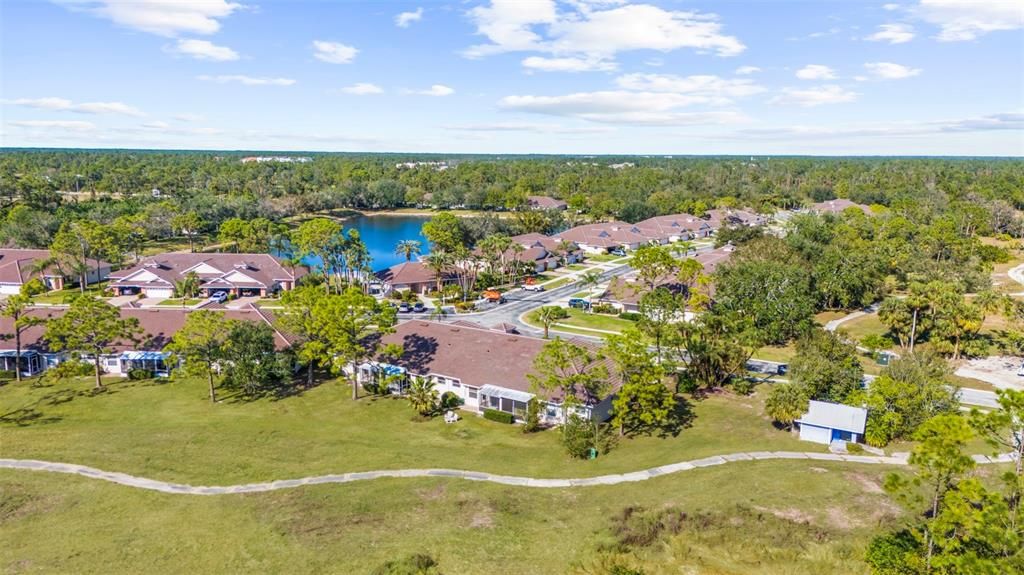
{"x":495,"y":391}
{"x":12,"y":353}
{"x":145,"y":355}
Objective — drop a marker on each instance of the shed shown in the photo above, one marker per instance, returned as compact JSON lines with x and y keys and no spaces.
{"x":826,"y":422}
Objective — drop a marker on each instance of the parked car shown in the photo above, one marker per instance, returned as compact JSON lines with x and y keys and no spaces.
{"x":578,"y":302}
{"x":403,"y":307}
{"x":219,"y":297}
{"x":783,"y":369}
{"x":533,"y":287}
{"x":617,"y":252}
{"x":418,"y":307}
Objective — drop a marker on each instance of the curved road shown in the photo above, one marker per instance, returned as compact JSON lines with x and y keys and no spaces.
{"x":643,"y":475}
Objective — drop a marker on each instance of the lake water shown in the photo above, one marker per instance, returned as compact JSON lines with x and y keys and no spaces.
{"x":381,"y":234}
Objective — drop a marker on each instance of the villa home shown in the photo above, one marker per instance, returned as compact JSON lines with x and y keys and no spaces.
{"x":563,"y":250}
{"x":545,"y":203}
{"x":18,"y":267}
{"x":485,"y":368}
{"x":235,"y":274}
{"x":826,"y":422}
{"x":413,"y":276}
{"x":605,"y":237}
{"x":838,"y":206}
{"x":624,"y":292}
{"x":674,"y":228}
{"x":718,"y":218}
{"x":712,"y":259}
{"x":157,"y":327}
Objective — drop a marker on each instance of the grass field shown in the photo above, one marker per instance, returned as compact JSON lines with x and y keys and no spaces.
{"x":177,"y":302}
{"x":63,"y":524}
{"x":169,"y":431}
{"x":59,"y":296}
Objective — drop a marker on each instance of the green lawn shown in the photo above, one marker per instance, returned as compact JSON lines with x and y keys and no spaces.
{"x":60,"y":296}
{"x":862,"y":326}
{"x":580,"y":318}
{"x":780,"y":354}
{"x":169,"y":431}
{"x":558,"y":283}
{"x":602,"y":258}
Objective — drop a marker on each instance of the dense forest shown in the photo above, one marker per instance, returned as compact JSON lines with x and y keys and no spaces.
{"x":41,"y":189}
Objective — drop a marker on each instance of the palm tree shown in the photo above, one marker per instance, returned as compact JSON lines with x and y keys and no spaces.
{"x":548,"y":315}
{"x":188,"y":287}
{"x":438,"y":262}
{"x":408,"y":248}
{"x":564,"y":248}
{"x":589,"y":281}
{"x":422,"y":395}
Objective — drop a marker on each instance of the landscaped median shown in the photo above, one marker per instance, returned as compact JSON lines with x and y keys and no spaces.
{"x":588,"y":323}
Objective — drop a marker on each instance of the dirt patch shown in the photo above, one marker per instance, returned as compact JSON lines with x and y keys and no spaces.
{"x":998,"y":370}
{"x":432,"y":494}
{"x":482,"y":519}
{"x":868,"y":484}
{"x":18,"y":502}
{"x":791,"y":514}
{"x":841,"y":519}
{"x":819,"y":469}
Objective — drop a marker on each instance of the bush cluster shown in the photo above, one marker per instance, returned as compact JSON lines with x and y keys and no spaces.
{"x":499,"y":416}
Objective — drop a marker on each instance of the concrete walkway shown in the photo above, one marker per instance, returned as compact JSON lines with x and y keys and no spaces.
{"x":643,"y":475}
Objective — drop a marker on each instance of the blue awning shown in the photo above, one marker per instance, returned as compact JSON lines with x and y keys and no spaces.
{"x":13,"y":353}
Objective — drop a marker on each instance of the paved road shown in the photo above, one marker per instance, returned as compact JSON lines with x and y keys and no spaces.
{"x":643,"y":475}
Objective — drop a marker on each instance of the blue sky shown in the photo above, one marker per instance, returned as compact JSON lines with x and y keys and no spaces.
{"x":922,"y":77}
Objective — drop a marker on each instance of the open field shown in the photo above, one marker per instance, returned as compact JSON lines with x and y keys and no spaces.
{"x":75,"y":525}
{"x":169,"y":431}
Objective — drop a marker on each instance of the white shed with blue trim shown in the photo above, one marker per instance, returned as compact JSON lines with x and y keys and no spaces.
{"x":826,"y":422}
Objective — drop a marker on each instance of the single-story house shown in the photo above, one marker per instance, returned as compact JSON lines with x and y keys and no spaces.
{"x":624,"y":292}
{"x":557,"y":248}
{"x":718,"y":218}
{"x":675,"y":227}
{"x":839,"y":206}
{"x":18,"y":266}
{"x":545,"y":203}
{"x":712,"y":259}
{"x":605,"y":237}
{"x":412,"y":276}
{"x":236,"y":274}
{"x":485,"y":368}
{"x":826,"y":422}
{"x":158,"y":327}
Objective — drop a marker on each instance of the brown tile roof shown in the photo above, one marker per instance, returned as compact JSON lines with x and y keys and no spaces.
{"x":546,"y":203}
{"x":711,"y":260}
{"x":264,"y":270}
{"x":718,"y":218}
{"x":664,"y":227}
{"x":549,"y":243}
{"x":838,"y":206}
{"x":158,"y":327}
{"x":410,"y":273}
{"x":475,"y":355}
{"x":605,"y":235}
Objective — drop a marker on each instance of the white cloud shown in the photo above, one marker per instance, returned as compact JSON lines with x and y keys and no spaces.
{"x":746,"y":70}
{"x":568,"y":64}
{"x":333,"y":52}
{"x":594,"y":31}
{"x":961,"y":20}
{"x":246,"y":80}
{"x":405,"y":18}
{"x":621,"y":107}
{"x":890,"y":71}
{"x":529,"y":127}
{"x":816,"y":72}
{"x":811,"y":97}
{"x":204,"y":50}
{"x":890,"y":7}
{"x":989,"y":123}
{"x":893,"y":34}
{"x":63,"y":104}
{"x":162,"y":17}
{"x":70,"y":125}
{"x":435,"y":90}
{"x":702,"y":89}
{"x":187,"y":117}
{"x":363,"y":89}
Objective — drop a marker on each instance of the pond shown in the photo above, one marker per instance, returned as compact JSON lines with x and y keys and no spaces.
{"x":381,"y":234}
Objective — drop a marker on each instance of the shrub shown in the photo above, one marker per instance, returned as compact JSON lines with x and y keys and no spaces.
{"x":580,"y":435}
{"x":499,"y":416}
{"x":630,"y":315}
{"x":893,"y":554}
{"x":415,"y":564}
{"x":465,"y":306}
{"x":137,"y":374}
{"x":743,"y":386}
{"x":604,"y":308}
{"x":532,"y":422}
{"x":7,"y":374}
{"x":449,"y":400}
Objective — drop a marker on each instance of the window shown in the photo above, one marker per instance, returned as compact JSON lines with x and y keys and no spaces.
{"x":454,"y":382}
{"x":472,"y":392}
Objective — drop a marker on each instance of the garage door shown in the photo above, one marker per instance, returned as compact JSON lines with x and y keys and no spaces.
{"x":159,"y":292}
{"x":10,"y":289}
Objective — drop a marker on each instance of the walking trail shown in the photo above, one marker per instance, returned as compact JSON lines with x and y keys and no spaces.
{"x":184,"y":489}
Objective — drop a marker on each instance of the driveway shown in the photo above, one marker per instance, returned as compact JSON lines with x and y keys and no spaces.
{"x":121,"y":300}
{"x":1000,"y":371}
{"x":150,"y":301}
{"x":242,"y":302}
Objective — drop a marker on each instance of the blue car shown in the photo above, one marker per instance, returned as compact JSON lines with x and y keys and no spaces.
{"x":579,"y":303}
{"x":619,"y":253}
